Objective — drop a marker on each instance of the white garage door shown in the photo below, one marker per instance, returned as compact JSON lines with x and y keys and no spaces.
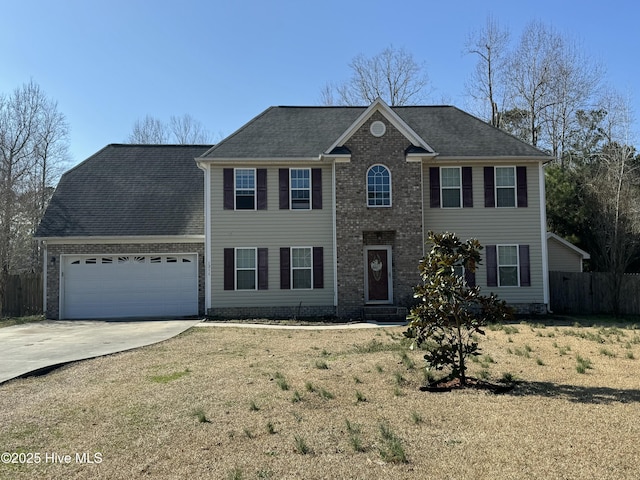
{"x":111,"y":286}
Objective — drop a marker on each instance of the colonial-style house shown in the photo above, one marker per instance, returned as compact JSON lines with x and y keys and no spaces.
{"x":304,"y":211}
{"x":324,"y":210}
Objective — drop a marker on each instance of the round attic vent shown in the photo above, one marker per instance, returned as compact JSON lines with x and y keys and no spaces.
{"x":378,"y":128}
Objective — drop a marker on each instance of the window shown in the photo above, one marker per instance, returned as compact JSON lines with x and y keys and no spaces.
{"x":508,"y":266}
{"x":245,"y":182}
{"x":300,"y":188}
{"x":451,"y":187}
{"x":246,"y":269}
{"x":451,"y":184}
{"x":378,"y":186}
{"x":505,"y":187}
{"x":301,"y":268}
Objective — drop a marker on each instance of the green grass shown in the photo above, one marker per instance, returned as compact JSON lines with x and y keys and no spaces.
{"x":355,"y":440}
{"x":300,"y":445}
{"x":360,"y":397}
{"x":583,"y":364}
{"x":390,"y":449}
{"x":322,"y":365}
{"x":200,"y":415}
{"x":281,"y":381}
{"x":170,"y":377}
{"x":416,"y":418}
{"x":325,"y":394}
{"x":271,"y":429}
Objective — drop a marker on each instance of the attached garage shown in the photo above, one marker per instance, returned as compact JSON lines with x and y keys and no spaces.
{"x":123,"y":235}
{"x":110,"y":286}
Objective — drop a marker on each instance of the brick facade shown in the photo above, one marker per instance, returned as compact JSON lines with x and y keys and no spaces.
{"x":55,"y":250}
{"x":357,"y":225}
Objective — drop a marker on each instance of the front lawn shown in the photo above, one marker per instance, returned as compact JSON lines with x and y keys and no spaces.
{"x":243,"y":403}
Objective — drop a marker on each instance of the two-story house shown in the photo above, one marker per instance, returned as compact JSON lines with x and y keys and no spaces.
{"x":325,"y":210}
{"x":304,"y":211}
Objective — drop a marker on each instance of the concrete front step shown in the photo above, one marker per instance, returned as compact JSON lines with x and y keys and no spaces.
{"x":384,"y":313}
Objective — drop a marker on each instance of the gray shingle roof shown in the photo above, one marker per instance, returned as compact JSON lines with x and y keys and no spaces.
{"x":131,"y":190}
{"x":306,"y":132}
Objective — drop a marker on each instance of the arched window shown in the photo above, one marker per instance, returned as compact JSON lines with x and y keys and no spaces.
{"x":378,"y":186}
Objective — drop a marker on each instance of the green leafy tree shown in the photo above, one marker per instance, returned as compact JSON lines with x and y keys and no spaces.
{"x":450,"y":311}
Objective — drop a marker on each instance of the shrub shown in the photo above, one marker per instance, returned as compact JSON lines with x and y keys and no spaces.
{"x":451,"y":311}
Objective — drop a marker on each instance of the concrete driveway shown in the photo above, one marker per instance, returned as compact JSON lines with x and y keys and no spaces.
{"x":35,"y":346}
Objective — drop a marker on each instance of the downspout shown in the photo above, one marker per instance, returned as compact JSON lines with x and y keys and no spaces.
{"x":206,"y":168}
{"x":335,"y":236}
{"x":543,"y":236}
{"x":45,"y":258}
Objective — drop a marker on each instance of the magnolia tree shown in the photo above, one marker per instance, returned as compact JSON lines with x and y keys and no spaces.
{"x":451,"y":310}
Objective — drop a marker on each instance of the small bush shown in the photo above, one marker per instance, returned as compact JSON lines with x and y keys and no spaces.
{"x":253,"y":407}
{"x":360,"y":397}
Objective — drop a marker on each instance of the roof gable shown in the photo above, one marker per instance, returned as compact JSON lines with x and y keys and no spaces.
{"x":380,"y":106}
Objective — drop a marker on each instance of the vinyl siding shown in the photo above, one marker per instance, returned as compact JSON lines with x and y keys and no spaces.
{"x":563,"y":259}
{"x":495,"y":226}
{"x":273,"y":229}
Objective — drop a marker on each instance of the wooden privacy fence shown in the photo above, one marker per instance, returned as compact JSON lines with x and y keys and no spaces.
{"x":590,"y":293}
{"x":23,"y":295}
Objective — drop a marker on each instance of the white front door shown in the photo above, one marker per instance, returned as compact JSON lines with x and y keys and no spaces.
{"x":138,"y":285}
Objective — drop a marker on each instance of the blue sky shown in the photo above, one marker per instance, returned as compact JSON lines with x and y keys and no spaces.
{"x":110,"y":62}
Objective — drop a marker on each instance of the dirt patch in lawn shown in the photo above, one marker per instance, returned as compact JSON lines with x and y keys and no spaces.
{"x":240,"y":403}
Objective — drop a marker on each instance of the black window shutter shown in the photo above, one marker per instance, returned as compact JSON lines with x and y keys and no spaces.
{"x":489,"y":188}
{"x":229,"y":269}
{"x":467,"y":188}
{"x":263,"y":269}
{"x":318,"y":267}
{"x":434,"y":186}
{"x":316,"y":188}
{"x":261,"y":181}
{"x":284,"y":188}
{"x":525,"y":266}
{"x":492,"y":266}
{"x":285,"y":268}
{"x":521,"y":179}
{"x":228,"y":189}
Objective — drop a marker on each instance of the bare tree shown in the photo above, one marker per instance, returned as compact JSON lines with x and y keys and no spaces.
{"x":188,"y":130}
{"x":612,"y":187}
{"x":33,"y":145}
{"x":531,"y":70}
{"x":487,"y":84}
{"x":574,"y":84}
{"x":179,"y":130}
{"x":392,"y":75}
{"x":149,"y":130}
